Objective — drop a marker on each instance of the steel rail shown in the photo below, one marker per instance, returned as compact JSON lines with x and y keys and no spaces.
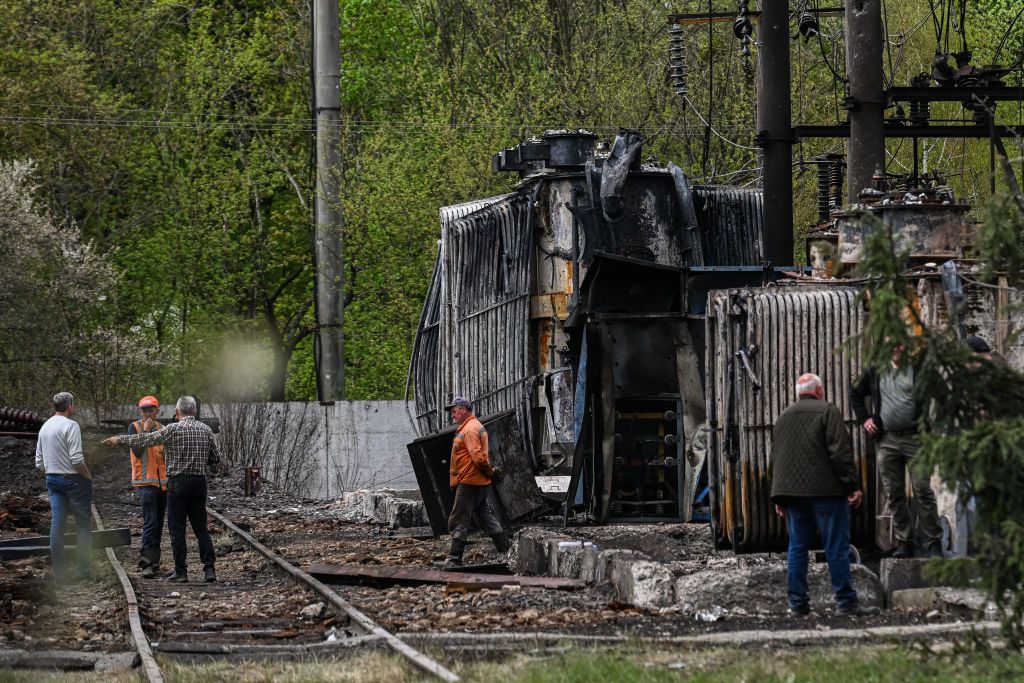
{"x":359,"y":619}
{"x":149,"y":666}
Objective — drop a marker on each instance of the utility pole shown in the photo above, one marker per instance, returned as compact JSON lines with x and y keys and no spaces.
{"x":775,"y":132}
{"x":864,"y":90}
{"x":329,"y":284}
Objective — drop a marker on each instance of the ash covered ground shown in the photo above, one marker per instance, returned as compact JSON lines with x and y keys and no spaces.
{"x":257,"y":603}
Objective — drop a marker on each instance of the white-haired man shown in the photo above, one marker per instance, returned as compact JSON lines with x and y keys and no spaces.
{"x":814,"y":483}
{"x":189,"y":449}
{"x":59,"y":454}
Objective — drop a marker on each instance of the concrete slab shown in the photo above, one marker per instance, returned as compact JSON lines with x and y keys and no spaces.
{"x":965,"y":602}
{"x":606,"y":558}
{"x":762,"y":589}
{"x":115,"y":662}
{"x":532,"y":550}
{"x":63,"y":660}
{"x":901,"y":574}
{"x":642,"y":583}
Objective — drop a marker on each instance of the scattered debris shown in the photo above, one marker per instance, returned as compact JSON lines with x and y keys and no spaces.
{"x":24,"y":514}
{"x":314,"y":610}
{"x":711,"y":615}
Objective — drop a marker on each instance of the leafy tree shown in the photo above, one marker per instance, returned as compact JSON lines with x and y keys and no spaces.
{"x":53,"y":292}
{"x":973,"y":429}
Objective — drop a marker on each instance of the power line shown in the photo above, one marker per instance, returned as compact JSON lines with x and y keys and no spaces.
{"x":304,"y":126}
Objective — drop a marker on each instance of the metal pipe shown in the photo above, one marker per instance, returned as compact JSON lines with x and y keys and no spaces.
{"x":775,"y":134}
{"x":864,"y":93}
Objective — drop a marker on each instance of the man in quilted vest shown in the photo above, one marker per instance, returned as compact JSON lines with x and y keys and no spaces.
{"x":470,"y":474}
{"x":149,"y":477}
{"x":814,"y":484}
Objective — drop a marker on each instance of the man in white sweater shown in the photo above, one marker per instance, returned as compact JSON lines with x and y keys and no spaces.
{"x":59,"y":454}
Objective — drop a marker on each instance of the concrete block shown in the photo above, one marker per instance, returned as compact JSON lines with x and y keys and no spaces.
{"x":901,"y":574}
{"x":565,"y":556}
{"x":531,"y":556}
{"x":115,"y":662}
{"x":914,"y":599}
{"x":398,"y":512}
{"x":762,"y":588}
{"x":588,"y":564}
{"x":564,"y":562}
{"x":965,"y":602}
{"x":642,"y":583}
{"x":605,"y":558}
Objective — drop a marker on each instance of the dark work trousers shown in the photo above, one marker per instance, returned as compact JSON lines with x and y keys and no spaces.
{"x":154,"y":504}
{"x":186,"y":498}
{"x":895,"y":456}
{"x":470,"y":502}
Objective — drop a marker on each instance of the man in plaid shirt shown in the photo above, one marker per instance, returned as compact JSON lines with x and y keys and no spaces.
{"x":189,"y":448}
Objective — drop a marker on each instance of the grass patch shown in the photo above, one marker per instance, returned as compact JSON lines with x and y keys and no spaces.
{"x":878,"y":664}
{"x":844,"y":663}
{"x":362,"y":667}
{"x":39,"y":676}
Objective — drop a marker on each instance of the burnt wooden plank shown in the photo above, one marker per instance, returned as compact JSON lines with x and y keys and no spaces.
{"x":107,"y":538}
{"x":383,"y":576}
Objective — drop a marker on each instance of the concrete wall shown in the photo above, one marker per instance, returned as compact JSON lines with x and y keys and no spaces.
{"x":348,"y":445}
{"x":364,"y":447}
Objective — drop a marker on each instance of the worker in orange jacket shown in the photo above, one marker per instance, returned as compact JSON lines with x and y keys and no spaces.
{"x":470,"y":474}
{"x":149,"y":477}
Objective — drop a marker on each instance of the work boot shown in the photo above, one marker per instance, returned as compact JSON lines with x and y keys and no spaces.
{"x":175,"y":577}
{"x":501,"y":542}
{"x":904,"y":551}
{"x":211,"y":574}
{"x":799,"y":611}
{"x":454,"y":560}
{"x":148,"y":572}
{"x":856,"y":610}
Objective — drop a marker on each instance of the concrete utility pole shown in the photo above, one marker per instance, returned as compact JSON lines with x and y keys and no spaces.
{"x":775,"y":131}
{"x":866,"y":113}
{"x":330,"y":340}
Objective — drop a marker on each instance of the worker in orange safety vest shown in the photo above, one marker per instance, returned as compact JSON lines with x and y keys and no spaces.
{"x":470,"y":476}
{"x":149,"y":477}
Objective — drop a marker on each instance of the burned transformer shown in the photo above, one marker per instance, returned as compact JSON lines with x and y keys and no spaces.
{"x":572,"y":312}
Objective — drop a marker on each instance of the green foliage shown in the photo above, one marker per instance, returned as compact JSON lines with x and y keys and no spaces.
{"x":973,"y":428}
{"x":865,"y":665}
{"x":1001,"y":241}
{"x":177,"y":137}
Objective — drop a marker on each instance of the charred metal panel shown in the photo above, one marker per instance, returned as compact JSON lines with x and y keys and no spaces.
{"x":615,"y":284}
{"x":515,"y":497}
{"x":759,"y":342}
{"x":427,"y":363}
{"x":644,"y":352}
{"x":990,"y":312}
{"x":487,"y":264}
{"x":938,"y":231}
{"x":651,"y":229}
{"x":732,"y":225}
{"x":425,"y":359}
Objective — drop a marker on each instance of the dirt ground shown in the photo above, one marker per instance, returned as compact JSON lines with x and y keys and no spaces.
{"x":254,"y":603}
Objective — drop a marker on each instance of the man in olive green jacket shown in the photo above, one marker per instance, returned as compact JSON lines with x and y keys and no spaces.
{"x":814,"y":483}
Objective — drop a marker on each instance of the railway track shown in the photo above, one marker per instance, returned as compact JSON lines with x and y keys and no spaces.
{"x":262,"y":607}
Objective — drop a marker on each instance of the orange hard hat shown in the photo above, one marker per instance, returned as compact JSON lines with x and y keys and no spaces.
{"x":149,"y":402}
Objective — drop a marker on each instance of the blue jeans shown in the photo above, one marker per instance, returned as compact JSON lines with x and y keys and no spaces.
{"x":70,"y":492}
{"x":830,"y":516}
{"x":154,"y":505}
